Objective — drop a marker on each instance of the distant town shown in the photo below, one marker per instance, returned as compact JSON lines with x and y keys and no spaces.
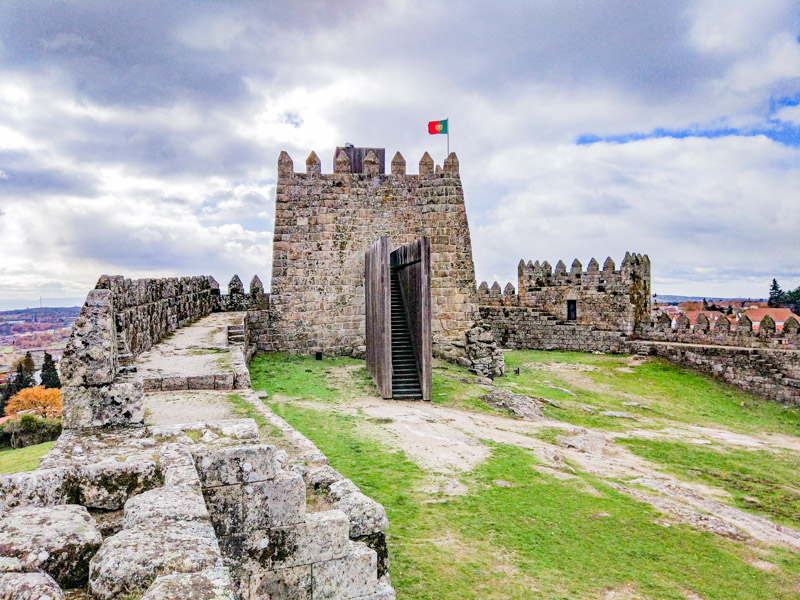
{"x":34,"y":330}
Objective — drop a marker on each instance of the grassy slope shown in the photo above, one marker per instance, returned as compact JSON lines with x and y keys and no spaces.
{"x":23,"y":459}
{"x":761,"y":481}
{"x":541,"y":538}
{"x":671,"y":393}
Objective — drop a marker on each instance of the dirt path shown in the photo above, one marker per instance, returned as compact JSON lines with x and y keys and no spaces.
{"x":448,"y":442}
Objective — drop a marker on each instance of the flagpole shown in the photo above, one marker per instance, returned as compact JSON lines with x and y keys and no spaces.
{"x":448,"y":136}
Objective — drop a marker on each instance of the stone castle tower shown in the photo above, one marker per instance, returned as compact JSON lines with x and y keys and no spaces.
{"x":324,"y":223}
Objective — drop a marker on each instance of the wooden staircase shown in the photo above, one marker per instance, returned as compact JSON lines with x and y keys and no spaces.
{"x":405,"y":377}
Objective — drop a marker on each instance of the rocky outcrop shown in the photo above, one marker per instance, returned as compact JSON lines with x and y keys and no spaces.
{"x":518,"y":405}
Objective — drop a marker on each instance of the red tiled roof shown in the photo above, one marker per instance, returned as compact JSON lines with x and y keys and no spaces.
{"x":779,"y":315}
{"x":712,"y":315}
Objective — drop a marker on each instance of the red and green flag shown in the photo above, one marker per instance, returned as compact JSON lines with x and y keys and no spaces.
{"x":435,"y":127}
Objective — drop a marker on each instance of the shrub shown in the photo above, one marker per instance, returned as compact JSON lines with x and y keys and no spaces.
{"x":27,"y":430}
{"x":44,"y":402}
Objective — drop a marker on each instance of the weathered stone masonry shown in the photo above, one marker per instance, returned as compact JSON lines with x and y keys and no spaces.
{"x":608,"y":305}
{"x":611,"y":314}
{"x":116,"y":506}
{"x":323,"y":225}
{"x":765,"y":363}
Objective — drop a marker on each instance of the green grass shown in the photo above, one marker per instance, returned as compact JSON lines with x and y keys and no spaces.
{"x":549,"y":434}
{"x":546,"y":537}
{"x":453,"y":387}
{"x":243,"y":408}
{"x":23,"y":459}
{"x":767,"y":483}
{"x":202,"y":351}
{"x":541,"y":538}
{"x":671,"y":393}
{"x":303,"y":377}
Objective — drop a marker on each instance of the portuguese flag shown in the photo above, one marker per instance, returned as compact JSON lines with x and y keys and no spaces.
{"x":435,"y":127}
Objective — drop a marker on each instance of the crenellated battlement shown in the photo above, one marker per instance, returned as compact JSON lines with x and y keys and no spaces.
{"x":536,"y":275}
{"x":609,"y":298}
{"x":348,"y":165}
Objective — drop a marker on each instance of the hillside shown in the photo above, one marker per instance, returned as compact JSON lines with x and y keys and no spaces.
{"x":638,"y":481}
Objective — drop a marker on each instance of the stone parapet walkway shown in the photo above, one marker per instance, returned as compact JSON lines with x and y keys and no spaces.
{"x":191,"y":504}
{"x":198,"y":357}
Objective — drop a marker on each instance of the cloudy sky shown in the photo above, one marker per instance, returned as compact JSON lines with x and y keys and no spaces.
{"x":142,"y":138}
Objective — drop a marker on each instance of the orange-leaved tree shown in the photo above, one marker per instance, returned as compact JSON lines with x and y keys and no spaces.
{"x":44,"y":402}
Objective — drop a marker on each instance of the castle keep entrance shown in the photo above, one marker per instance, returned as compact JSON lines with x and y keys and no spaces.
{"x":397,"y":289}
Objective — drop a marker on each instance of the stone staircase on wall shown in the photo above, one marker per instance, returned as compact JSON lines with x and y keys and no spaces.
{"x":124,"y":355}
{"x":405,"y":377}
{"x":764,"y":364}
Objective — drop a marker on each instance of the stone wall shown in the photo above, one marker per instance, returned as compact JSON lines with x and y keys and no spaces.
{"x":521,"y":328}
{"x":145,"y":310}
{"x":610,"y":305}
{"x":149,"y":509}
{"x":324,"y":223}
{"x":614,"y":300}
{"x":122,"y":318}
{"x":770,"y":373}
{"x":660,"y":329}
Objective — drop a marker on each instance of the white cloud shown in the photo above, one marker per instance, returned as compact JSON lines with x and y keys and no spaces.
{"x":704,"y":210}
{"x":790,"y":114}
{"x":154,"y":149}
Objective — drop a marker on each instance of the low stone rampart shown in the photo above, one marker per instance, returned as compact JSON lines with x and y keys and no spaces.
{"x":122,"y":318}
{"x":523,"y":328}
{"x":771,"y":373}
{"x":150,"y":509}
{"x":723,"y":334}
{"x":145,"y":310}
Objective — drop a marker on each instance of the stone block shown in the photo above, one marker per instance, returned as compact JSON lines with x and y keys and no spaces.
{"x":225,"y":507}
{"x":59,"y":540}
{"x":294,"y":583}
{"x":200,"y":382}
{"x":109,"y":484}
{"x":169,"y":384}
{"x":165,"y":505}
{"x":177,"y":466}
{"x":29,"y":586}
{"x":213,"y":584}
{"x":133,"y":558}
{"x":322,"y":536}
{"x":117,"y":404}
{"x":324,"y":477}
{"x":384,"y":591}
{"x":365,"y":515}
{"x":377,"y":542}
{"x":349,"y":577}
{"x":239,"y":429}
{"x":152,"y":384}
{"x":279,"y":501}
{"x":43,"y":487}
{"x":223,"y":381}
{"x":237,"y":464}
{"x":90,"y":358}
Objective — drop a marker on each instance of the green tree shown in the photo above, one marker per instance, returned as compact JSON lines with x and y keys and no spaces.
{"x":19,"y":382}
{"x":28,"y":366}
{"x":792,"y":300}
{"x":776,"y":294}
{"x":49,"y":373}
